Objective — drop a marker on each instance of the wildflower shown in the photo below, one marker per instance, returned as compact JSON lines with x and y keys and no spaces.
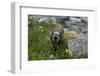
{"x":40,"y":27}
{"x":51,"y":56}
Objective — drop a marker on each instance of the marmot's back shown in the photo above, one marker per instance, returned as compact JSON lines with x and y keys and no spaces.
{"x":68,"y":35}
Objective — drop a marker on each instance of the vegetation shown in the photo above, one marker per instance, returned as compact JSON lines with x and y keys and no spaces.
{"x":38,"y":36}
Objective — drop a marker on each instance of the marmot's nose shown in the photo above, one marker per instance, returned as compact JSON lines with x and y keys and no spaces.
{"x":55,"y":38}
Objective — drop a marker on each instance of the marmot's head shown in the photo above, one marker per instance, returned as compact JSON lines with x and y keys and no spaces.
{"x":57,"y":34}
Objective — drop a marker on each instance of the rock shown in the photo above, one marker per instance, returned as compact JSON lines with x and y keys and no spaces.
{"x":84,"y":19}
{"x":43,"y":19}
{"x":75,"y":20}
{"x":83,"y":36}
{"x":78,"y":47}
